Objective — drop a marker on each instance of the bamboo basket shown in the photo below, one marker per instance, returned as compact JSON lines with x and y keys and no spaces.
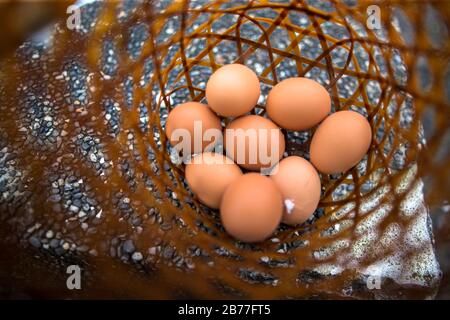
{"x":106,"y":89}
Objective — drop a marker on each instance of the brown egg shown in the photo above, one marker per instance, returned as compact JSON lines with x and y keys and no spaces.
{"x":298,"y":103}
{"x":249,"y":141}
{"x":251,"y":208}
{"x":232,"y":90}
{"x":192,"y":120}
{"x":340,"y":142}
{"x":209,"y":174}
{"x":299,"y":184}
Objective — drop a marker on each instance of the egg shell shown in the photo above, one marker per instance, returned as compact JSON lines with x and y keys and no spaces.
{"x":184,"y":116}
{"x":298,"y":103}
{"x":232,"y":90}
{"x":242,"y":129}
{"x":251,"y":208}
{"x":209,"y":174}
{"x":299,"y":184}
{"x":340,"y":142}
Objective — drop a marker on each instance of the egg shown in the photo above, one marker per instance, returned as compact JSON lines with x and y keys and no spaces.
{"x":187,"y":125}
{"x":209,"y":174}
{"x":232,"y":90}
{"x":251,"y":208}
{"x":340,"y":142}
{"x":298,"y":103}
{"x":299,"y":184}
{"x":254,"y":142}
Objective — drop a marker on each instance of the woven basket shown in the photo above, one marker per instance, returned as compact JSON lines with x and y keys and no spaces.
{"x":107,"y":87}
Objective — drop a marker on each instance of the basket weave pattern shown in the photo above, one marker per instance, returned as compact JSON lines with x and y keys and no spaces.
{"x":139,"y":188}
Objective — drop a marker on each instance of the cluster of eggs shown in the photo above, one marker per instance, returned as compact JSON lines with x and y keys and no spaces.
{"x":252,"y":204}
